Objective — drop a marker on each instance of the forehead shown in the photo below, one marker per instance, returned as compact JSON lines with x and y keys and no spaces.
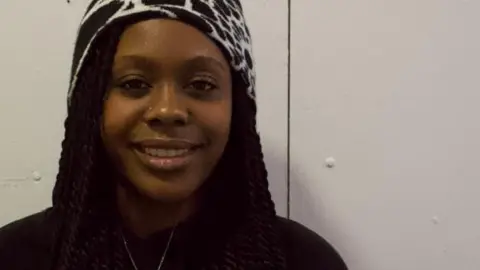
{"x":167,"y":39}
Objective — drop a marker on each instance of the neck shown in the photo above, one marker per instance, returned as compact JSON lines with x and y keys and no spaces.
{"x":145,"y":216}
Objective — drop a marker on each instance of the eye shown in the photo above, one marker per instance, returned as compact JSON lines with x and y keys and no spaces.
{"x":134,"y":87}
{"x":203,"y":85}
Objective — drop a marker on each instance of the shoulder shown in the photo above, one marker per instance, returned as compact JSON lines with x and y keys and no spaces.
{"x":32,"y":237}
{"x":306,"y":249}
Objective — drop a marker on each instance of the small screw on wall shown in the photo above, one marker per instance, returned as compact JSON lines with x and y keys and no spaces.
{"x":330,"y":162}
{"x":36,"y":176}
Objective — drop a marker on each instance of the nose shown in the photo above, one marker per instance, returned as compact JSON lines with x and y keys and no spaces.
{"x":166,"y":108}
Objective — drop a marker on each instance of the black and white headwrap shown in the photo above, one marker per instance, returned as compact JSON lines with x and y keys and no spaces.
{"x":221,"y":20}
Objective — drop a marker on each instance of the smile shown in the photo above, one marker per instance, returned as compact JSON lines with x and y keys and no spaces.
{"x":165,"y":159}
{"x":166,"y":155}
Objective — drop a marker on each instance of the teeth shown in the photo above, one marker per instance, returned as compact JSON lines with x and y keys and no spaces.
{"x":165,"y":152}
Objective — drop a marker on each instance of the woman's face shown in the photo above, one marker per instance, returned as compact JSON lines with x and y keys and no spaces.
{"x":167,"y":113}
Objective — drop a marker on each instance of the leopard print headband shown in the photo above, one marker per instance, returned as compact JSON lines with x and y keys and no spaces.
{"x":221,"y":20}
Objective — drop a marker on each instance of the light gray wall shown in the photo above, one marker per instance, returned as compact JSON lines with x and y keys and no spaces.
{"x":390,"y":89}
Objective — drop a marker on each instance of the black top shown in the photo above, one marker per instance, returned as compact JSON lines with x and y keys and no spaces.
{"x":26,"y":244}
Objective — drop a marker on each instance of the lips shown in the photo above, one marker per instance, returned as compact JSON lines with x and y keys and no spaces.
{"x":166,"y":154}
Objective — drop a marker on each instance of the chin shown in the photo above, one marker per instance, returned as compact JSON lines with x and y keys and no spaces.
{"x":167,"y":192}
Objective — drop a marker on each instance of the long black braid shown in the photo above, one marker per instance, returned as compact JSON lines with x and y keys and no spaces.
{"x":246,"y":236}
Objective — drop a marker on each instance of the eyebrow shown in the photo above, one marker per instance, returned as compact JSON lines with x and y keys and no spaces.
{"x":206,"y":61}
{"x":132,"y":61}
{"x":146,"y":63}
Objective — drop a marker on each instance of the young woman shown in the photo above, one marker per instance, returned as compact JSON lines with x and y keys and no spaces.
{"x":161,"y":166}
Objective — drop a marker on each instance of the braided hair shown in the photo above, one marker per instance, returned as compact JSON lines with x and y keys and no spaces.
{"x":88,"y":237}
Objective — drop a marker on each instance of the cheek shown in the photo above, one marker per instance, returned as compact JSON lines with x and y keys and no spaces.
{"x":118,"y":119}
{"x":217,"y":120}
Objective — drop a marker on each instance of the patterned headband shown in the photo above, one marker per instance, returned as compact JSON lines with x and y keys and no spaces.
{"x":221,"y":20}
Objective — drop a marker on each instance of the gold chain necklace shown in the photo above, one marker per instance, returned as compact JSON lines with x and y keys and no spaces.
{"x":164,"y":252}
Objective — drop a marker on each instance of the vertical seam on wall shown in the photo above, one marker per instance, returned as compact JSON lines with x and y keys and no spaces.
{"x":289,"y":40}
